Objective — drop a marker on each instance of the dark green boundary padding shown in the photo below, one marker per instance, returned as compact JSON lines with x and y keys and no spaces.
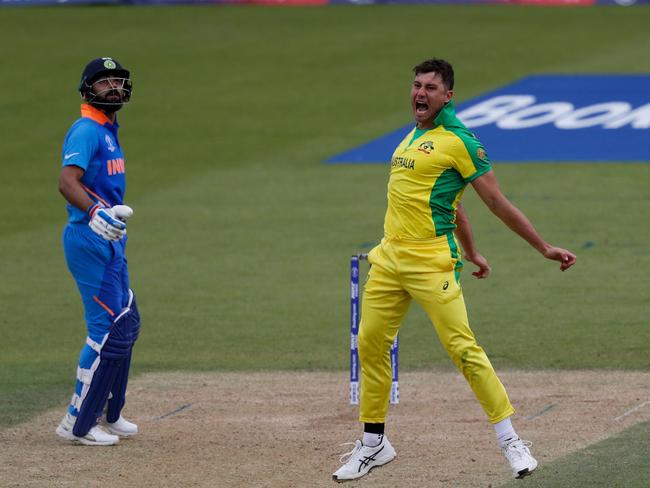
{"x":622,"y":461}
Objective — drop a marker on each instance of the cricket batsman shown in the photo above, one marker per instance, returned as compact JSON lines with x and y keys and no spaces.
{"x":419,"y":258}
{"x":92,"y":181}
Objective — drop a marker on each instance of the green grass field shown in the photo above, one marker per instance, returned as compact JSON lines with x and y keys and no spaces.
{"x":241,"y":237}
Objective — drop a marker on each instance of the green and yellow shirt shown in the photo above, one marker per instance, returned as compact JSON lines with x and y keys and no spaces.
{"x":429,"y":172}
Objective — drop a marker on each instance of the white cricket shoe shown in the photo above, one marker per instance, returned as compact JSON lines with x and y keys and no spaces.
{"x":95,"y":436}
{"x":518,"y":455}
{"x":121,"y":427}
{"x":360,"y":460}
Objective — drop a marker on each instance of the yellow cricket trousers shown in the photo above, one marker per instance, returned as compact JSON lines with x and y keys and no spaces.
{"x":425,"y":271}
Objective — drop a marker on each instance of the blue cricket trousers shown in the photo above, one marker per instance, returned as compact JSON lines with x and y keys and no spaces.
{"x":100,"y":269}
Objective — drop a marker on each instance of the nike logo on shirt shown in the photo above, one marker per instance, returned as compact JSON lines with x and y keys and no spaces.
{"x":68,"y":156}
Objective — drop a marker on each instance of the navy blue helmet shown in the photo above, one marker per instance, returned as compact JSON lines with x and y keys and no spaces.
{"x":116,"y":91}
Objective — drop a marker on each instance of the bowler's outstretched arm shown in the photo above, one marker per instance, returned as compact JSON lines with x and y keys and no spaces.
{"x":488,"y":189}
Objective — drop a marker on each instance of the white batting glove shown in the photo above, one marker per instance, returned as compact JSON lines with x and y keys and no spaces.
{"x":109,"y":223}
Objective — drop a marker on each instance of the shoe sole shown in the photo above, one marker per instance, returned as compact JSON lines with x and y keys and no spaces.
{"x":68,"y":436}
{"x":119,"y":432}
{"x":362,"y":475}
{"x":525,"y":472}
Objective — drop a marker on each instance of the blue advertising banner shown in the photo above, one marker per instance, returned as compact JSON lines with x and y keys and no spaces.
{"x":548,"y":118}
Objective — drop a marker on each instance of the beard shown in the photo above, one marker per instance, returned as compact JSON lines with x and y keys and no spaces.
{"x":108,"y":108}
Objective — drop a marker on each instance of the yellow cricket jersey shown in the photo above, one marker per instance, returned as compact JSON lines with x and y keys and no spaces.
{"x":429,"y":172}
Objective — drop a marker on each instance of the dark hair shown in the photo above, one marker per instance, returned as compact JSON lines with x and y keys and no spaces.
{"x":440,"y":66}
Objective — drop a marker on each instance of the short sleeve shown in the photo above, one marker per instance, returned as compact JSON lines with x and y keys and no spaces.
{"x":471,"y":160}
{"x":80,"y":145}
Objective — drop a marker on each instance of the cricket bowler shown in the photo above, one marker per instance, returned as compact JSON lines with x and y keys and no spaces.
{"x":419,"y":258}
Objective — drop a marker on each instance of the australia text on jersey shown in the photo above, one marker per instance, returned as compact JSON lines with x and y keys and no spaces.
{"x":400,"y":162}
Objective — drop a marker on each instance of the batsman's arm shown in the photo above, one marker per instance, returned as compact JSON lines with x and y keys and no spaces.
{"x":488,"y":189}
{"x":466,"y":237}
{"x":72,"y":190}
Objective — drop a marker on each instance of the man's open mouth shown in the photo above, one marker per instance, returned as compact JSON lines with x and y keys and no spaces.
{"x":421,"y":107}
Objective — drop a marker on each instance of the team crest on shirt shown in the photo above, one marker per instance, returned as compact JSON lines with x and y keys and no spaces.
{"x":109,"y":143}
{"x":426,"y":147}
{"x":480,"y":152}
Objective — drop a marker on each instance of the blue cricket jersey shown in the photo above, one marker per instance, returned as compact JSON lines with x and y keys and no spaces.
{"x":92,"y":145}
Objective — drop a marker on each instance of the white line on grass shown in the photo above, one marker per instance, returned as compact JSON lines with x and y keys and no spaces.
{"x":180,"y":409}
{"x":541,"y":412}
{"x":638,"y":407}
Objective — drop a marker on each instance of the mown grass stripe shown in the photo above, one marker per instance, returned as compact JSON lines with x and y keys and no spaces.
{"x":622,"y":461}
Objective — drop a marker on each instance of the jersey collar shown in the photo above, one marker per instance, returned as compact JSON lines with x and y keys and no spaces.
{"x":90,"y":112}
{"x":446,"y":114}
